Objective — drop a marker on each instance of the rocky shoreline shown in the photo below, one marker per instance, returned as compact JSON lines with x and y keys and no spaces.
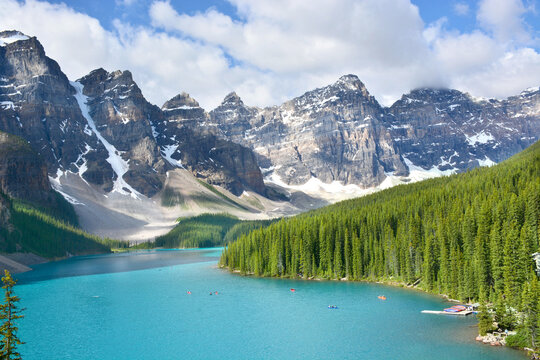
{"x":19,"y":262}
{"x":495,"y":338}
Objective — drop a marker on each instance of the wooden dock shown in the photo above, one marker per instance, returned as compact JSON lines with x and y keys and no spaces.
{"x":460,"y":313}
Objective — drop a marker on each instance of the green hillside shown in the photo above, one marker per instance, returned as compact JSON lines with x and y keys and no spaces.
{"x":51,"y":233}
{"x":469,"y":235}
{"x":206,"y":230}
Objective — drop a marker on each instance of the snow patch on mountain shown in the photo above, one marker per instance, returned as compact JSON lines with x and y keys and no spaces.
{"x":12,"y":37}
{"x":486,"y":162}
{"x":7,"y":105}
{"x":57,"y":186}
{"x":118,"y":164}
{"x":480,"y":138}
{"x":334,"y":191}
{"x":167,"y":153}
{"x":417,"y":173}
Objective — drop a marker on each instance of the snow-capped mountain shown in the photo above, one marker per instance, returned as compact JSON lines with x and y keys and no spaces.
{"x":339,"y":133}
{"x":451,"y":130}
{"x":119,"y":159}
{"x":334,"y":133}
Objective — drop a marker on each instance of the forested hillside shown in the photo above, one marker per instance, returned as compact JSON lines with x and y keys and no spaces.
{"x":206,"y":230}
{"x":50,"y":233}
{"x":470,"y":236}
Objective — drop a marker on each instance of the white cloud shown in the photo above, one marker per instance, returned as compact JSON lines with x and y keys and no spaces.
{"x":504,"y":18}
{"x":461,"y":9}
{"x":509,"y":74}
{"x":466,"y":53}
{"x":302,"y":41}
{"x":277,"y":49}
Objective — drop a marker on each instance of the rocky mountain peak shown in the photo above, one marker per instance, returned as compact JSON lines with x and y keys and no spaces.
{"x":125,"y":76}
{"x":233,"y":110}
{"x":11,"y":36}
{"x":182,"y":100}
{"x":118,"y":84}
{"x":435,"y":95}
{"x":184,"y":110}
{"x":232,"y":99}
{"x":350,"y":82}
{"x":348,"y":95}
{"x":531,"y":90}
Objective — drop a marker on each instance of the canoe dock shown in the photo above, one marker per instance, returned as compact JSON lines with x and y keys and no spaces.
{"x":460,"y":313}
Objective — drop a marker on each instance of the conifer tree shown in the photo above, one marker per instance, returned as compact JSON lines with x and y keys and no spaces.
{"x":9,"y":313}
{"x":485,"y":321}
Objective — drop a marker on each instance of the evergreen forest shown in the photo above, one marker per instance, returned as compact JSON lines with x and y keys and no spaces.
{"x":206,"y":230}
{"x":48,"y":232}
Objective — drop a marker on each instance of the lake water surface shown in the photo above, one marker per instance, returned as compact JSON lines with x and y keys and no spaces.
{"x":135,"y":306}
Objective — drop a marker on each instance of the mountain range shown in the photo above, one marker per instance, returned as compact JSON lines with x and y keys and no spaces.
{"x":131,"y":169}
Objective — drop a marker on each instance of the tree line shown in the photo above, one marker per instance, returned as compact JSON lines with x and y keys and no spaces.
{"x":205,"y":230}
{"x":49,"y":233}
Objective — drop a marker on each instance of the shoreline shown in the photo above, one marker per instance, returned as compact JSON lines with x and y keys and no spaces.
{"x":19,"y":262}
{"x":387,"y":283}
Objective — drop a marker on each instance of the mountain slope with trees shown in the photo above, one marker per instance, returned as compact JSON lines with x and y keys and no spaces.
{"x":206,"y":230}
{"x":470,"y":236}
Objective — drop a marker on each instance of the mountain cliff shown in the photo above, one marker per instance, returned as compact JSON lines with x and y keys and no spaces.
{"x":448,"y":129}
{"x":23,"y":175}
{"x":334,"y":133}
{"x":184,"y":142}
{"x":341,"y":133}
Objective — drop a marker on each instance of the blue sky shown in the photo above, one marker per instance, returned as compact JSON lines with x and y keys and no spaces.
{"x":136,"y":11}
{"x":271,"y":50}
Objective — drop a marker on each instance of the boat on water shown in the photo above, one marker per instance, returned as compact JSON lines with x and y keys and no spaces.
{"x":456,"y":308}
{"x":382,"y":297}
{"x":332,"y":307}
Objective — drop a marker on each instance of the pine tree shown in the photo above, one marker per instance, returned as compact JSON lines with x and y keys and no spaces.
{"x":9,"y":313}
{"x":485,"y":322}
{"x":338,"y":261}
{"x":530,"y":307}
{"x":503,"y":317}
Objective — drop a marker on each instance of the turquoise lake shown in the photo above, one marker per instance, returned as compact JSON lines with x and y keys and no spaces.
{"x":136,"y":306}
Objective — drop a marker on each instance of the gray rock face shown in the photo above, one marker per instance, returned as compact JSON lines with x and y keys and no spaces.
{"x":103,"y":129}
{"x":449,"y":129}
{"x":5,"y":215}
{"x":185,"y":138}
{"x":341,"y":133}
{"x":232,"y":119}
{"x":124,"y":118}
{"x":37,"y":104}
{"x":185,"y":110}
{"x":23,"y":174}
{"x":335,"y":133}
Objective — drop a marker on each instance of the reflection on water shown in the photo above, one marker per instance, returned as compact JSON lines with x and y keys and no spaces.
{"x":119,"y":262}
{"x":165,"y":311}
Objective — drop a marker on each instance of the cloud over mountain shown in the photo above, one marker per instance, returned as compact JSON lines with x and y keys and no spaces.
{"x":272,"y":50}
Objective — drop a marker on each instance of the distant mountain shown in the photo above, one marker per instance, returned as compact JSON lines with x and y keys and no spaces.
{"x":341,"y":133}
{"x":450,"y":130}
{"x":101,"y":127}
{"x":131,"y":168}
{"x":219,"y":161}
